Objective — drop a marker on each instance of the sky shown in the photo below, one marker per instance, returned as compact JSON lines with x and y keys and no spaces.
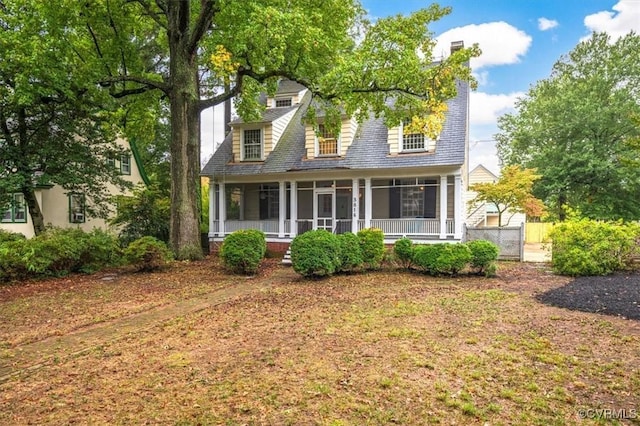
{"x":520,"y":41}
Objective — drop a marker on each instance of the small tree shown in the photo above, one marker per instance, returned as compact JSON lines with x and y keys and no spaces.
{"x":512,"y":192}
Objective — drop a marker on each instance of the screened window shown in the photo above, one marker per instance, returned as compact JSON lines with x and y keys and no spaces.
{"x":77,"y":208}
{"x":269,"y":202}
{"x":252,"y":144}
{"x":411,"y":202}
{"x":412,"y":141}
{"x":284,"y":102}
{"x":17,"y":211}
{"x":327,"y":141}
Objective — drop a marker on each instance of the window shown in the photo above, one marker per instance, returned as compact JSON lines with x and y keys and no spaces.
{"x":76,"y":208}
{"x":125,"y":164}
{"x":412,"y":201}
{"x":252,"y":145}
{"x":412,"y":141}
{"x":269,"y":202}
{"x":17,"y":211}
{"x":283,"y":102}
{"x":327,"y":141}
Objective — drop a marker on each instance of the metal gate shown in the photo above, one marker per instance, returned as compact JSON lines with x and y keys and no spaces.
{"x":510,"y":239}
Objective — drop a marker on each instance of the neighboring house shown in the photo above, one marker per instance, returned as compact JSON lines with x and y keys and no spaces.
{"x":486,"y":214}
{"x":64,"y":210}
{"x":276,"y":175}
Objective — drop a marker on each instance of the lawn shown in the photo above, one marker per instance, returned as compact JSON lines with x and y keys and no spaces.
{"x":377,"y":348}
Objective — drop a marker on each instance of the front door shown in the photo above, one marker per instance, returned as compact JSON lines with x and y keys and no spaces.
{"x":325,"y":209}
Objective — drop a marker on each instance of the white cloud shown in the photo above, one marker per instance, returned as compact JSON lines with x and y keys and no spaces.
{"x":500,"y":42}
{"x":545,"y":24}
{"x":617,"y":24}
{"x":485,"y":108}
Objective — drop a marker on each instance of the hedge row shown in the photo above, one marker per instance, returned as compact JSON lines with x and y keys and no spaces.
{"x":58,"y":252}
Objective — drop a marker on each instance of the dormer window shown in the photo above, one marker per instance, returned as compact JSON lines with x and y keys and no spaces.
{"x":252,"y":145}
{"x":327,"y":142}
{"x":412,"y":141}
{"x":283,"y":102}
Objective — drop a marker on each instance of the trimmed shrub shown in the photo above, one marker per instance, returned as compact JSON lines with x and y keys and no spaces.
{"x":442,"y":258}
{"x":315,"y":253}
{"x":372,"y":245}
{"x":404,"y":251}
{"x":587,"y":247}
{"x":483,"y":255}
{"x":350,"y":252}
{"x":147,"y":254}
{"x":243,"y":250}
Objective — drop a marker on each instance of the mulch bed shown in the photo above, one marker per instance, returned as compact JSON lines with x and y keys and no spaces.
{"x":617,"y":295}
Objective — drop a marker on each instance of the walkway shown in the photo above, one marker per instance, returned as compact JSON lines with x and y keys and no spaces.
{"x":36,"y":355}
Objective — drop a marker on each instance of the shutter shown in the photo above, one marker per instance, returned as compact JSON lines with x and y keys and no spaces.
{"x":430,"y":196}
{"x":264,"y":204}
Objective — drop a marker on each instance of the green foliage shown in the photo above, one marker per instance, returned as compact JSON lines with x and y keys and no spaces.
{"x":580,"y":129}
{"x":6,"y":236}
{"x":587,"y":247}
{"x":147,"y":254}
{"x":315,"y":253}
{"x":404,"y":251}
{"x":372,"y":245}
{"x":350,"y":252}
{"x":442,"y":258}
{"x":145,"y":213}
{"x":483,"y":255}
{"x":243,"y":250}
{"x":58,"y":252}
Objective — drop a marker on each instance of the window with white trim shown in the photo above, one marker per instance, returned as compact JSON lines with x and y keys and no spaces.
{"x":411,"y":201}
{"x":412,"y":141}
{"x":77,"y":211}
{"x":326,"y":142}
{"x":283,"y":102}
{"x":17,"y":211}
{"x":125,"y":164}
{"x":252,"y":144}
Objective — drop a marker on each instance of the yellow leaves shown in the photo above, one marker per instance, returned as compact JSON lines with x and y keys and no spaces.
{"x":222,"y":63}
{"x":429,"y":124}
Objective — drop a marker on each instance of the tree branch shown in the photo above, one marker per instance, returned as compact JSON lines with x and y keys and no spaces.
{"x":208,"y":9}
{"x":153,"y":15}
{"x":149,"y":84}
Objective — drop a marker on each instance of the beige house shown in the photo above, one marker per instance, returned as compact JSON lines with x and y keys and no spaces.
{"x":279,"y":175}
{"x":68,"y":210}
{"x":486,"y":214}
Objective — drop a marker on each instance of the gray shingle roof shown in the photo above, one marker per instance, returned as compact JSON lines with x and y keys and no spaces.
{"x":369,"y":149}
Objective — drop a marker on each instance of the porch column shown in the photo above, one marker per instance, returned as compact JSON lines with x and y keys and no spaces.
{"x":443,"y":206}
{"x":222,"y":207}
{"x":293,"y":199}
{"x":212,"y":206}
{"x":367,"y":203}
{"x":282,"y":207}
{"x":458,"y":207}
{"x":355,"y":205}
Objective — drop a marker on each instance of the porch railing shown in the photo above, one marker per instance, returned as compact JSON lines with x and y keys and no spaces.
{"x":427,"y":227}
{"x":266,"y":226}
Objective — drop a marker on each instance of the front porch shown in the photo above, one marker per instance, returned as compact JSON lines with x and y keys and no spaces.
{"x":421,"y":208}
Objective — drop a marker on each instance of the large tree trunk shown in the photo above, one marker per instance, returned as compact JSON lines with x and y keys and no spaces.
{"x":35,"y":212}
{"x":185,"y":138}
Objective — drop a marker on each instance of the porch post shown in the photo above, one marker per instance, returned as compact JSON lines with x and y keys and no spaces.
{"x":212,"y":206}
{"x":458,"y":207}
{"x":222,"y":214}
{"x":443,"y":206}
{"x":282,"y":207}
{"x":355,"y":205}
{"x":367,"y":202}
{"x":293,"y":199}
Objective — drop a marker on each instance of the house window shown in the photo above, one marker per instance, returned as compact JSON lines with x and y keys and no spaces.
{"x":269,"y":202}
{"x":76,"y":208}
{"x":17,"y":212}
{"x":283,"y":102}
{"x":125,"y":164}
{"x":412,"y":201}
{"x":327,"y":141}
{"x":412,"y":141}
{"x":252,"y":144}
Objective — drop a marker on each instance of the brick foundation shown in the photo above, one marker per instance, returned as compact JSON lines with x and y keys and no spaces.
{"x":277,"y":247}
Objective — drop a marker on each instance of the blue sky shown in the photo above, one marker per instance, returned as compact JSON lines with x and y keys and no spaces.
{"x":520,"y":40}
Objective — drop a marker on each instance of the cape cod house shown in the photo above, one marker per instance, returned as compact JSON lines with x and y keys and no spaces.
{"x":64,"y":210}
{"x":278,"y":176}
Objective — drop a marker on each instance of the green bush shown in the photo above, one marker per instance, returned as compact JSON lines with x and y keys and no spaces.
{"x":147,"y":254}
{"x":404,"y":251}
{"x":12,"y":264}
{"x":587,"y":247}
{"x":315,"y":253}
{"x":243,"y":250}
{"x":442,"y":258}
{"x":7,"y":236}
{"x":483,"y":255}
{"x":372,"y":245}
{"x":350,"y":252}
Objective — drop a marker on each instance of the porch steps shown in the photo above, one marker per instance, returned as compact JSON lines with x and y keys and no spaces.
{"x":286,"y":259}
